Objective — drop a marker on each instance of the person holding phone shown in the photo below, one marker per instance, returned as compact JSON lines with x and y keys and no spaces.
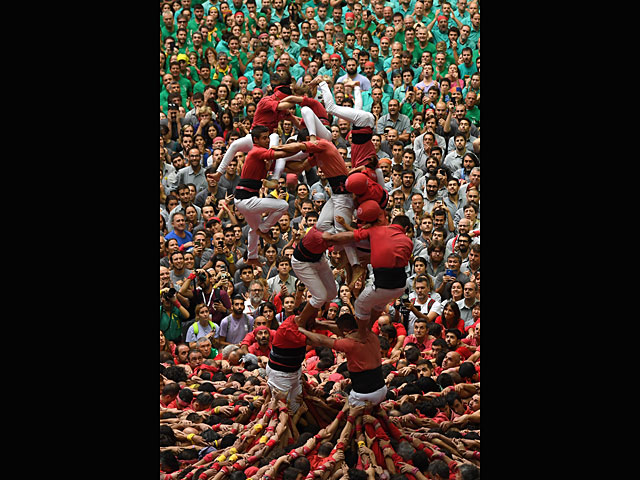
{"x":451,"y":274}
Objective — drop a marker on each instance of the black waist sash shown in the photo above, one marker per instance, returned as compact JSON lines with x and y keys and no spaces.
{"x":286,"y":359}
{"x":359,"y":137}
{"x":367,"y":381}
{"x":303,"y":254}
{"x":247,"y":188}
{"x":338,"y":184}
{"x":390,"y":277}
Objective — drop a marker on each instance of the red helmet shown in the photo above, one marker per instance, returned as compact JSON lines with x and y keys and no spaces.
{"x":357,"y":183}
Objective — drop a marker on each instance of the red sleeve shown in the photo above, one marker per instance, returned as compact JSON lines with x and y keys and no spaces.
{"x":360,"y":234}
{"x":248,"y":339}
{"x":314,"y":147}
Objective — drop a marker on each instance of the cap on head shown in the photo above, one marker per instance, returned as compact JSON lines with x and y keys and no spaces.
{"x":357,"y":183}
{"x":368,"y":211}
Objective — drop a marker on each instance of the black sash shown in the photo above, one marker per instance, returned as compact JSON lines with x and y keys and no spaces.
{"x":303,"y":254}
{"x":367,"y":381}
{"x":390,"y":277}
{"x":286,"y":359}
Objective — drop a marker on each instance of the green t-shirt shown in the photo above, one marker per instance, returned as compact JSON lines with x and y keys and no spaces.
{"x":474,"y":115}
{"x":170,"y":323}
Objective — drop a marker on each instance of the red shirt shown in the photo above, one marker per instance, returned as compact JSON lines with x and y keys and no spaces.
{"x":267,"y":112}
{"x":255,"y":165}
{"x":360,"y":357}
{"x":362,"y":152}
{"x":327,"y":157}
{"x":422,"y":346}
{"x":313,"y":241}
{"x":259,"y":351}
{"x":288,"y":335}
{"x":390,"y":246}
{"x":459,"y":325}
{"x":374,"y":192}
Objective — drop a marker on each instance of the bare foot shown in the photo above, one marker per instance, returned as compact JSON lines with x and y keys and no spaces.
{"x":270,"y":184}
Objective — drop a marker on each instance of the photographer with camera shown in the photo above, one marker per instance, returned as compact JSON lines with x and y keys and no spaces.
{"x":172,"y":313}
{"x":211,"y":290}
{"x":422,"y":306}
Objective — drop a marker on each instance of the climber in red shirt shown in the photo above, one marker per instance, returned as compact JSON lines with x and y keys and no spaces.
{"x":391,"y":250}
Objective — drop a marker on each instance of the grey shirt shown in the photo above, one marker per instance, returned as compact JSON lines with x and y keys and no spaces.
{"x":402,"y":124}
{"x":187,"y":175}
{"x":235,"y":330}
{"x":465,"y":312}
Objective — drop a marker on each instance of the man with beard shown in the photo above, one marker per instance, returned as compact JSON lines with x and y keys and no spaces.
{"x":353,"y":75}
{"x":261,"y":347}
{"x":234,"y":327}
{"x":254,"y":301}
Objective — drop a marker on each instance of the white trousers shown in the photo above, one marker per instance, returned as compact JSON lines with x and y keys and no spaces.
{"x":356,"y":116}
{"x":358,"y":399}
{"x":338,"y":204}
{"x":374,"y":298}
{"x":318,"y":278}
{"x":314,"y":125}
{"x":286,"y":382}
{"x":252,"y":209}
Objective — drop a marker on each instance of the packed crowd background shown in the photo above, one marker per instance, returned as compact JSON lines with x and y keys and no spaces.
{"x":417,"y":68}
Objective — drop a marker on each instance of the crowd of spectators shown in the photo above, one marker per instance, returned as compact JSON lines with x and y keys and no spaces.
{"x":418,"y":66}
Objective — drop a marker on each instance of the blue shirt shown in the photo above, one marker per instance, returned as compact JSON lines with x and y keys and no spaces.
{"x":181,"y":241}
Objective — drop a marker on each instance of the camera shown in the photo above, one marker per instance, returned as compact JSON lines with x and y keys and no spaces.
{"x":450,"y":272}
{"x":168,"y":295}
{"x":202,"y":278}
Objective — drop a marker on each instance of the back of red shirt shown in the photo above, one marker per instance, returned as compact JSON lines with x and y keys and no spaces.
{"x":390,"y":246}
{"x":327,"y":157}
{"x":267,"y":112}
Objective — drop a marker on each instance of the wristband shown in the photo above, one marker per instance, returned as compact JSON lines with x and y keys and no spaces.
{"x":269,"y":413}
{"x":340,"y":446}
{"x":305,"y":450}
{"x":476,"y":455}
{"x":258,"y":427}
{"x":191,"y":276}
{"x":190,"y":437}
{"x":225,"y":469}
{"x":271,"y":443}
{"x":351,"y":419}
{"x":216,"y":410}
{"x":177,"y":304}
{"x":221,"y":458}
{"x":236,"y":409}
{"x":294,"y":454}
{"x":233,"y":458}
{"x":203,"y":476}
{"x":232,"y":450}
{"x":271,"y":429}
{"x":263,"y":439}
{"x":361,"y":443}
{"x":237,"y":466}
